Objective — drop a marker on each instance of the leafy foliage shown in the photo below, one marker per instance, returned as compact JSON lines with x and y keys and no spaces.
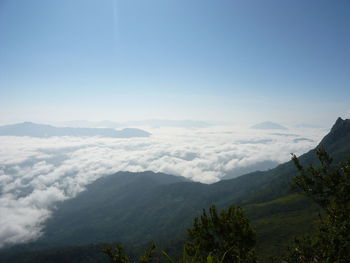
{"x":149,"y":254}
{"x":329,"y":187}
{"x":116,"y":254}
{"x":217,"y":238}
{"x":196,"y":258}
{"x":226,"y":233}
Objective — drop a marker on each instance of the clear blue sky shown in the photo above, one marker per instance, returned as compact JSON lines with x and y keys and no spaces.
{"x":227,"y":60}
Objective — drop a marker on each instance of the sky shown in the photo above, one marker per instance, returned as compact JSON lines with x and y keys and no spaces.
{"x":229,"y":60}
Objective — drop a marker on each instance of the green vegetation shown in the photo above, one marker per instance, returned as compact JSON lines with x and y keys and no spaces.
{"x":117,"y":255}
{"x":225,"y":237}
{"x":135,"y":209}
{"x":330,"y":189}
{"x":228,"y":233}
{"x":229,"y":236}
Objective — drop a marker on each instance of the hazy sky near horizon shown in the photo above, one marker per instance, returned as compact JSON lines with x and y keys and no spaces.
{"x":278,"y":60}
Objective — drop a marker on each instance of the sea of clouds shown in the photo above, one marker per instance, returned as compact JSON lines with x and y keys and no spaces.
{"x":35,"y":173}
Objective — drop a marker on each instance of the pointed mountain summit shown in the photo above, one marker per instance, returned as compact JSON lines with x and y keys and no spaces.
{"x":338,"y":139}
{"x":340,"y":128}
{"x":268,"y":125}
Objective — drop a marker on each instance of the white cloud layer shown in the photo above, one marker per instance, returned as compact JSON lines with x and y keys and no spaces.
{"x":35,"y":173}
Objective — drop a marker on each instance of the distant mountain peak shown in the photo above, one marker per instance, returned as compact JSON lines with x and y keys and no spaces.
{"x":268,"y":125}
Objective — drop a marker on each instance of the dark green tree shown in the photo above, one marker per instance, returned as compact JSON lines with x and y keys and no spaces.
{"x":116,"y":254}
{"x":226,"y":235}
{"x":215,"y":238}
{"x":150,"y":255}
{"x":329,"y":187}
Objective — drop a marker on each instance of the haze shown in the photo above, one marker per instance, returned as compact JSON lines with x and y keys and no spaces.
{"x":234,"y":61}
{"x":194,"y":75}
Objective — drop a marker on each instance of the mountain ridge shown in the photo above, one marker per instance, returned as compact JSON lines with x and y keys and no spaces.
{"x":43,"y":131}
{"x":134,"y":209}
{"x":187,"y":198}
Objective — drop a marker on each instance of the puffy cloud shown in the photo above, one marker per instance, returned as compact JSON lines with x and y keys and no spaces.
{"x":35,"y":173}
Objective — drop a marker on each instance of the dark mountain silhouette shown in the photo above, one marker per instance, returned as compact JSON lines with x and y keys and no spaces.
{"x":267,"y":125}
{"x":42,"y":131}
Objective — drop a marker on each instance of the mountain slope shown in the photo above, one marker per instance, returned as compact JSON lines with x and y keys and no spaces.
{"x":105,"y":211}
{"x":42,"y":131}
{"x":137,"y":208}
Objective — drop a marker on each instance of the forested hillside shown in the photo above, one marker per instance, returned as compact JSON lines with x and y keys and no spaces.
{"x":136,"y":208}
